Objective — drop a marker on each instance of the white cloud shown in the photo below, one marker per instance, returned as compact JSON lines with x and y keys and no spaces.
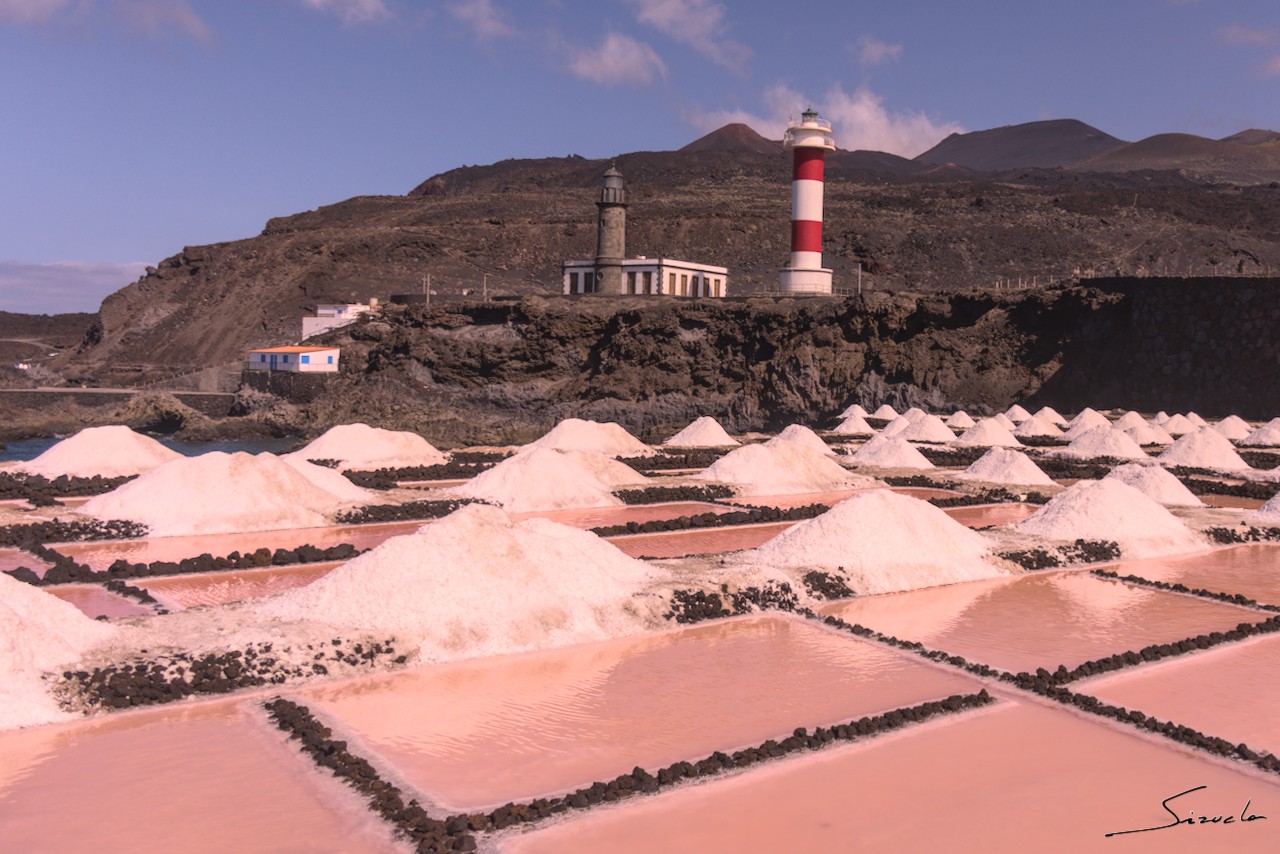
{"x":620,"y":59}
{"x":352,"y":11}
{"x":161,"y":19}
{"x":485,"y":21}
{"x":29,"y":11}
{"x":698,"y":23}
{"x":62,"y":286}
{"x":1236,"y":35}
{"x":859,"y":120}
{"x":872,"y":51}
{"x":1270,"y":68}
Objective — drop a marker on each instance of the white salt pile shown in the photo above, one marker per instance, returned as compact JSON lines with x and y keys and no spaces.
{"x":1149,"y":434}
{"x":1206,"y":448}
{"x":1269,"y":512}
{"x":704,"y":432}
{"x":798,"y":434}
{"x":987,"y":434}
{"x":895,"y":427}
{"x":609,"y":438}
{"x":1004,"y":421}
{"x":1037,"y":427}
{"x":1197,"y":420}
{"x":891,"y":453}
{"x":359,"y":446}
{"x":1155,"y":483}
{"x":1129,"y":420}
{"x":1112,"y":511}
{"x":883,"y":542}
{"x":885,"y":412}
{"x":781,"y":469}
{"x":1178,"y":425}
{"x":1090,"y":417}
{"x":1233,"y":427}
{"x":1266,"y":436}
{"x":38,"y":634}
{"x":854,"y":425}
{"x":914,"y":414}
{"x":114,"y":451}
{"x":218,"y":493}
{"x":476,"y":583}
{"x":928,"y":428}
{"x":1004,"y":465}
{"x":855,"y":409}
{"x":548,"y":479}
{"x":960,"y":420}
{"x":1160,"y":418}
{"x":1048,"y":413}
{"x":1102,"y":442}
{"x":1017,"y":413}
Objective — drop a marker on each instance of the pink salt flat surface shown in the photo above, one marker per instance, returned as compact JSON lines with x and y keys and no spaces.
{"x":802,"y":499}
{"x":1232,"y":501}
{"x":596,"y":517}
{"x":177,"y":592}
{"x":205,"y":778}
{"x":96,"y":601}
{"x":1040,"y":620}
{"x":1016,"y":777}
{"x":696,"y":542}
{"x":1229,"y":691}
{"x":991,"y":514}
{"x":484,"y":732}
{"x":1253,"y":570}
{"x":14,"y":558}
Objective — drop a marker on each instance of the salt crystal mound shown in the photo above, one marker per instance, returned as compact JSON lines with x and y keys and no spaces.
{"x":1004,"y":465}
{"x":1155,"y":483}
{"x":896,"y":426}
{"x":890,"y":453}
{"x":704,"y":432}
{"x":928,"y":429}
{"x":220,"y":493}
{"x":1197,"y":420}
{"x":883,"y":542}
{"x":1206,"y":448}
{"x":476,"y":583}
{"x":1111,"y":510}
{"x":854,"y":425}
{"x":359,"y":446}
{"x":38,"y":633}
{"x":1269,"y":512}
{"x":1179,"y":425}
{"x":1160,"y":418}
{"x":1266,"y":436}
{"x":1004,"y":421}
{"x":855,"y":409}
{"x":1090,"y":417}
{"x":1037,"y":427}
{"x":114,"y":451}
{"x":1233,"y":427}
{"x":1017,"y":413}
{"x":548,"y":479}
{"x":1129,"y":420}
{"x":1102,"y":442}
{"x":885,"y":412}
{"x":610,"y":439}
{"x":781,"y":469}
{"x":960,"y":420}
{"x":1053,"y":416}
{"x":798,"y":434}
{"x":914,"y":414}
{"x":987,"y":434}
{"x":1149,"y":434}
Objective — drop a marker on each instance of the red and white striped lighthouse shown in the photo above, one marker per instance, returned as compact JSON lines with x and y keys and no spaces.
{"x":809,"y":140}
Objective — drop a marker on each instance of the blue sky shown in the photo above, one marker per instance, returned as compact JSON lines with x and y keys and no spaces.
{"x":130,"y":128}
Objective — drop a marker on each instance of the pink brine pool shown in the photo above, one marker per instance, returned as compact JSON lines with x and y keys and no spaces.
{"x":96,"y":601}
{"x":1252,"y":570}
{"x":177,"y":592}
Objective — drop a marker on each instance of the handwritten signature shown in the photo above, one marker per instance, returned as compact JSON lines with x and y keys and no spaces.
{"x":1193,"y":819}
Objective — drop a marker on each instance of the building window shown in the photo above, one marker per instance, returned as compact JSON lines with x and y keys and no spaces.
{"x":286,"y":358}
{"x":631,"y":282}
{"x":306,"y":360}
{"x":330,"y":360}
{"x":262,"y":357}
{"x":671,"y":283}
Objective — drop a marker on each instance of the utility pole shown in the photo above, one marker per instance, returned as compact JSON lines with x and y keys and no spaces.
{"x":859,"y":278}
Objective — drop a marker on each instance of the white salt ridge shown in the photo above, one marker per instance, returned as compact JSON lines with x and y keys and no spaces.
{"x":1178,"y":425}
{"x":1102,"y":442}
{"x":781,"y":469}
{"x":929,"y":428}
{"x":1110,"y":510}
{"x":855,"y":409}
{"x":1007,"y":466}
{"x":885,"y":412}
{"x":1035,"y":426}
{"x":1269,"y":512}
{"x":895,"y":427}
{"x":883,"y":542}
{"x":114,"y":451}
{"x":1017,"y":413}
{"x":854,"y":425}
{"x":987,"y":434}
{"x":1233,"y":427}
{"x":1004,"y":421}
{"x":548,"y":479}
{"x":1129,"y":420}
{"x":960,"y":420}
{"x":704,"y":432}
{"x":890,"y":453}
{"x":359,"y":446}
{"x":1206,"y":448}
{"x":1088,"y":417}
{"x":609,"y":438}
{"x":798,"y":434}
{"x":1266,"y":436}
{"x":1155,"y":483}
{"x":475,"y":583}
{"x":1053,"y":416}
{"x":1149,"y":434}
{"x":38,"y":634}
{"x":219,"y":493}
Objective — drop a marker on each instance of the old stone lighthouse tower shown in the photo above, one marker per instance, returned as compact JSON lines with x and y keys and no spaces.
{"x":611,"y":234}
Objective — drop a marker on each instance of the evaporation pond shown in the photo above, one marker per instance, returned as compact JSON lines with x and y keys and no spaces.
{"x":177,"y":592}
{"x":94,"y":600}
{"x":1252,"y":570}
{"x":477,"y":733}
{"x":598,"y":517}
{"x":1040,"y":620}
{"x":669,"y":544}
{"x":1014,"y":777}
{"x":213,"y":777}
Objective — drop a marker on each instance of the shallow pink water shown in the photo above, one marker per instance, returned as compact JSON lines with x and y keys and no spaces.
{"x":705,"y":541}
{"x":803,"y":499}
{"x":1232,"y":501}
{"x":210,"y":777}
{"x":1230,"y":691}
{"x":484,"y":732}
{"x":1018,"y":777}
{"x":596,"y":517}
{"x":1039,"y":620}
{"x":14,"y":558}
{"x":991,"y":514}
{"x":96,"y":601}
{"x":1253,"y":570}
{"x":177,"y":592}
